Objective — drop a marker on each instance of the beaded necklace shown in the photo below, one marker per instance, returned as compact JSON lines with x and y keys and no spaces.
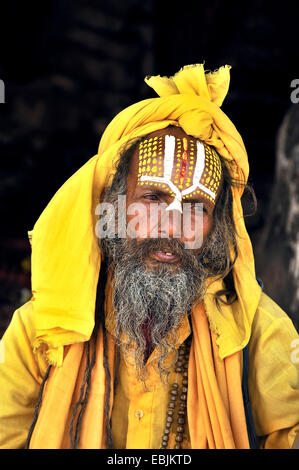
{"x":181,"y":367}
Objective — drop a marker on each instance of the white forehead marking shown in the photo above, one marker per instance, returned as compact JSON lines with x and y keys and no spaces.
{"x":200,"y":162}
{"x":199,"y":167}
{"x":175,"y":205}
{"x":168,"y":166}
{"x":169,"y":156}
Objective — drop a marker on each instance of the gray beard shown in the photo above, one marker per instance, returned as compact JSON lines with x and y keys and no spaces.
{"x":155,"y":298}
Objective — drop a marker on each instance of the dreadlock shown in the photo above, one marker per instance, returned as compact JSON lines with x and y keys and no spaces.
{"x":75,"y":426}
{"x":223,"y":218}
{"x":37,"y":408}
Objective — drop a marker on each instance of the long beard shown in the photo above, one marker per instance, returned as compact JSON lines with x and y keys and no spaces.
{"x":150,"y":299}
{"x":154,"y":297}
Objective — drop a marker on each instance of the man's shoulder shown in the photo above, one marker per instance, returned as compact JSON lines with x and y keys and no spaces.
{"x":269,"y":307}
{"x":18,"y":342}
{"x":269,"y":315}
{"x":22,"y":322}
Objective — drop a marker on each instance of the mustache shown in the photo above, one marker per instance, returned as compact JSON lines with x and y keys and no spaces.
{"x":148,"y":246}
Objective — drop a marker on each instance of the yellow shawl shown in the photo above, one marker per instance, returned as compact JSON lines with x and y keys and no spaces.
{"x":215,"y":409}
{"x":65,"y":255}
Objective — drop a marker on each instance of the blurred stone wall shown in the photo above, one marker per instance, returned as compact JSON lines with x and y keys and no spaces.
{"x":70,"y":66}
{"x":277,"y":248}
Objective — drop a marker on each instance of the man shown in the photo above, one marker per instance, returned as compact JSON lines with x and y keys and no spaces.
{"x":147,"y":327}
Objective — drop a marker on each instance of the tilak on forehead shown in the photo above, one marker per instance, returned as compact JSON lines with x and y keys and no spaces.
{"x":182,"y":166}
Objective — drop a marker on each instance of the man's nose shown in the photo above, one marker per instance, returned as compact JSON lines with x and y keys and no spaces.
{"x":187,"y":226}
{"x":170,"y":223}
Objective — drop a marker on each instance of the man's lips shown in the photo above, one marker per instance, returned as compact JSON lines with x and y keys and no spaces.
{"x":165,"y":256}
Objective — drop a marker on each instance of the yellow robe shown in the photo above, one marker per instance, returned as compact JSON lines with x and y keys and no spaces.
{"x":273,"y":385}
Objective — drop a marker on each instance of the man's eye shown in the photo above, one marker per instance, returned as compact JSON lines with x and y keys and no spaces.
{"x":198,"y":207}
{"x":151,"y":197}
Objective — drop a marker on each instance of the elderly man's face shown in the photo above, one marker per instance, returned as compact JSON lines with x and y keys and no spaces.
{"x":149,"y":188}
{"x":156,"y":279}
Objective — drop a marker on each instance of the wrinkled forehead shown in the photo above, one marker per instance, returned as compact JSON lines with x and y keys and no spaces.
{"x":179,"y":164}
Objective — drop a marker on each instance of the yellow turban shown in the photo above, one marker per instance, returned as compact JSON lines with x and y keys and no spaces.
{"x":65,"y":254}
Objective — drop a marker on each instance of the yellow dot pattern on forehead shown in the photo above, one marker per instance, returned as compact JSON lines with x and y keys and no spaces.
{"x":197,"y":170}
{"x":211,"y":176}
{"x":152,"y":163}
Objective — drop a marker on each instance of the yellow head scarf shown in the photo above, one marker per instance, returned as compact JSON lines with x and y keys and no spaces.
{"x":65,"y":255}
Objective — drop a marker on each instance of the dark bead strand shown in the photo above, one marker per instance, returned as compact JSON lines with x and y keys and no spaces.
{"x":181,"y":367}
{"x":183,"y":399}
